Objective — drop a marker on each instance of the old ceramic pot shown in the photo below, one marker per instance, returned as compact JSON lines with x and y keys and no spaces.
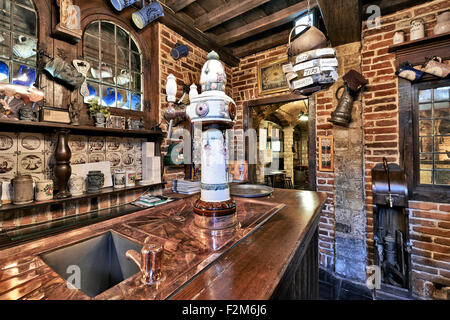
{"x":23,"y":189}
{"x":308,"y":39}
{"x":443,"y":23}
{"x":77,"y":185}
{"x":95,"y":180}
{"x":44,"y":190}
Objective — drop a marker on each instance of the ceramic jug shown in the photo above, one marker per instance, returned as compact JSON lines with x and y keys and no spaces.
{"x":44,"y":190}
{"x":123,"y":78}
{"x":22,"y":189}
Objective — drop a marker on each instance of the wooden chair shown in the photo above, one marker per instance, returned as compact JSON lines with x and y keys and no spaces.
{"x":287,"y":182}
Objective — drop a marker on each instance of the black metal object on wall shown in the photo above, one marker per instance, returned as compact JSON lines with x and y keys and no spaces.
{"x":391,"y":224}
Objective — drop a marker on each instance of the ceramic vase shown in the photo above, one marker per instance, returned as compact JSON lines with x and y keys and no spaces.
{"x":62,"y":169}
{"x":443,"y":23}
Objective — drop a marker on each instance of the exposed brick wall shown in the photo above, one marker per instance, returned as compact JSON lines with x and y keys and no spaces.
{"x":429,"y":222}
{"x":186,"y":70}
{"x":245,"y":88}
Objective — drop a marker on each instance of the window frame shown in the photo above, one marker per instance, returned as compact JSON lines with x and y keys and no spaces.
{"x":12,"y":61}
{"x":101,"y":82}
{"x":409,"y":139}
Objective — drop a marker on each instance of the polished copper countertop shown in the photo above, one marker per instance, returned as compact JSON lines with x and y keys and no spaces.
{"x":249,"y":269}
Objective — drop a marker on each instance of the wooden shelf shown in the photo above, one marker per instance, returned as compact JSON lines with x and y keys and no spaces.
{"x":50,"y":127}
{"x":416,"y":51}
{"x":103,"y":192}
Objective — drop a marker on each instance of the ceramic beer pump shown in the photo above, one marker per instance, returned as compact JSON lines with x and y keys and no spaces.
{"x":215,"y":210}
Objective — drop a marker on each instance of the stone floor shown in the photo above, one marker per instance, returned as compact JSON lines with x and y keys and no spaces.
{"x":332,"y":288}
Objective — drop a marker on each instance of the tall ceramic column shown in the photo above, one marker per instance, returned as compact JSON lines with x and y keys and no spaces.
{"x":215,"y":211}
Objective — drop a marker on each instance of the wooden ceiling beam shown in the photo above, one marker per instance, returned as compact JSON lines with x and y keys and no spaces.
{"x":261,"y":44}
{"x":274,"y":20}
{"x":226,"y":12}
{"x":178,"y":5}
{"x":342,"y":19}
{"x":183,"y":28}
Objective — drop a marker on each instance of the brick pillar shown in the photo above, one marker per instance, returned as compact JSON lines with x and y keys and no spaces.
{"x":350,"y":219}
{"x":288,"y":154}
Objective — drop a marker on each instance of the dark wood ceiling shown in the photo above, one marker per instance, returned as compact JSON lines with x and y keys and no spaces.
{"x":237,"y":28}
{"x":240,"y":27}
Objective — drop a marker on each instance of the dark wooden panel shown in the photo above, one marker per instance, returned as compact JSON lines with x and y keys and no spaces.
{"x":226,"y":12}
{"x":263,"y":24}
{"x":261,"y":44}
{"x":415,"y":51}
{"x":342,"y":19}
{"x":178,"y":5}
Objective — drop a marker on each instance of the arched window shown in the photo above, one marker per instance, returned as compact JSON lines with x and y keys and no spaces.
{"x":115,"y":77}
{"x":18,"y":41}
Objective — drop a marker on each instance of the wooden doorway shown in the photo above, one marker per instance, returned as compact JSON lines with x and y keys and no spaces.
{"x":311,"y":125}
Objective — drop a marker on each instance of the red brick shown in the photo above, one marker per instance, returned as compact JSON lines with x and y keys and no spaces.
{"x":422,"y":205}
{"x":432,"y":231}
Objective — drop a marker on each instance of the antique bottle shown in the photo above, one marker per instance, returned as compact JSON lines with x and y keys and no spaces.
{"x":62,"y":166}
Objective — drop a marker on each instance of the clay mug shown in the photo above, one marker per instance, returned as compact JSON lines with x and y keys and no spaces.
{"x":147,"y":14}
{"x":22,"y":189}
{"x":119,"y":179}
{"x":130,"y":178}
{"x":77,"y":185}
{"x":44,"y":190}
{"x":119,"y":5}
{"x":179,"y":51}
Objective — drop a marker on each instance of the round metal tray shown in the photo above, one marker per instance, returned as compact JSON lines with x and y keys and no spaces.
{"x":250,"y":190}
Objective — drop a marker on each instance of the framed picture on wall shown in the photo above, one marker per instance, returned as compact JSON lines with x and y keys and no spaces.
{"x":325,"y":153}
{"x":271,"y":77}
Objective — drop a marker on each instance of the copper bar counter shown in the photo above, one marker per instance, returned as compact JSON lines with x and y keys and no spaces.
{"x":278,"y":260}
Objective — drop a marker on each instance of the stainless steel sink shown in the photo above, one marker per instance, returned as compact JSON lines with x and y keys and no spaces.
{"x":101,"y":261}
